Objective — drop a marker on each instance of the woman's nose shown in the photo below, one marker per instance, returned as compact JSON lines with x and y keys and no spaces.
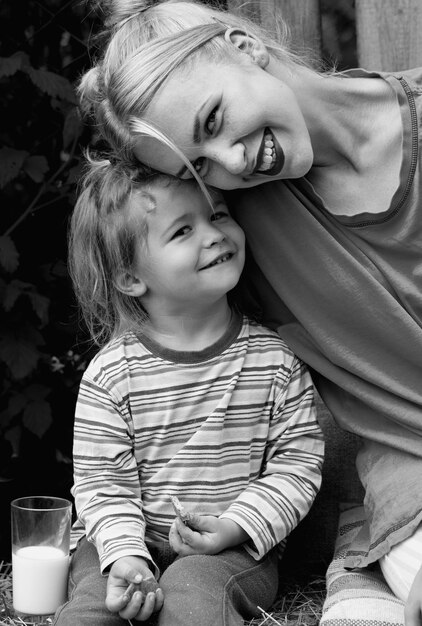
{"x":231,"y":157}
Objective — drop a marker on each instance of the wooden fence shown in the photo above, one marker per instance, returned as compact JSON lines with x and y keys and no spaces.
{"x":388,"y":32}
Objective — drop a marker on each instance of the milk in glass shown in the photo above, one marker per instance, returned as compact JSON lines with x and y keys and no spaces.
{"x":39,"y":579}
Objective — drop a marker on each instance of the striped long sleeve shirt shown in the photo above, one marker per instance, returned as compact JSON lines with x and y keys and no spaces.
{"x":231,"y":430}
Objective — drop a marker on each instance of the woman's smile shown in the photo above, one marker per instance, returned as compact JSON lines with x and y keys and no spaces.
{"x":238,"y":125}
{"x":270,"y":158}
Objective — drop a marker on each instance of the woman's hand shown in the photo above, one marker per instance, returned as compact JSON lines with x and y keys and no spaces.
{"x":132,"y":590}
{"x":413,"y":605}
{"x":205,"y":534}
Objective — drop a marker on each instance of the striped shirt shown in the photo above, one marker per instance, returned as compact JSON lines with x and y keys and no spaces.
{"x":231,"y":430}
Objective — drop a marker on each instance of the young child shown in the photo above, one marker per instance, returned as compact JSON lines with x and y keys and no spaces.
{"x":187,"y":398}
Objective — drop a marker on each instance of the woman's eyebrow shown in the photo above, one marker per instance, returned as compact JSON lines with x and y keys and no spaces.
{"x":196,"y":135}
{"x":197,"y":121}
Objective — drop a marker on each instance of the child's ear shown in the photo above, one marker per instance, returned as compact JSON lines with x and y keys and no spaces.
{"x":130,"y":284}
{"x":249,"y":44}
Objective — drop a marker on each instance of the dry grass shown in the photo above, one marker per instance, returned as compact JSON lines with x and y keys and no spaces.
{"x":297,"y":606}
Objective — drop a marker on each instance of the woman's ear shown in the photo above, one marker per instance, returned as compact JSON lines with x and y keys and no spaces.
{"x":130,"y":284}
{"x":248,"y":44}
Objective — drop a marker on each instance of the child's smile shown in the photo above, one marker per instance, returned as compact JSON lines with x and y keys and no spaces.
{"x":222,"y":258}
{"x":194,"y":254}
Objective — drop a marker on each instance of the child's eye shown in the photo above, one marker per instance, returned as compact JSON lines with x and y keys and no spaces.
{"x":219,"y":215}
{"x":181,"y":231}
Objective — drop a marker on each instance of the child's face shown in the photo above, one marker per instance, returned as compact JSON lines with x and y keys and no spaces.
{"x":193,"y":255}
{"x":226,"y":118}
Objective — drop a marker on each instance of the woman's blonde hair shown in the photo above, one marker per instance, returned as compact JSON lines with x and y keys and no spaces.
{"x":107,"y":223}
{"x":145,"y":43}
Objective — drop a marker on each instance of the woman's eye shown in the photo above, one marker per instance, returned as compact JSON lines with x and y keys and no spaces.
{"x":181,"y":231}
{"x":211,"y":121}
{"x":198,"y":164}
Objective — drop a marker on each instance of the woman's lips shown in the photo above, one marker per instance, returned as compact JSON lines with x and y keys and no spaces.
{"x":270,"y":159}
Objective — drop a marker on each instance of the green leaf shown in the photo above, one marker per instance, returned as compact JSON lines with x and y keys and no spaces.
{"x":12,"y":292}
{"x":10,"y":65}
{"x":37,"y":417}
{"x":17,"y":288}
{"x":40,"y":305}
{"x":36,"y":166}
{"x":72,"y":128}
{"x":52,"y":84}
{"x":11,"y":162}
{"x":9,"y":255}
{"x":20,"y":352}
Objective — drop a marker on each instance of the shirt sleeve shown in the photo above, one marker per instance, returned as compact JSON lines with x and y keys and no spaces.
{"x":106,"y":486}
{"x":273,"y":504}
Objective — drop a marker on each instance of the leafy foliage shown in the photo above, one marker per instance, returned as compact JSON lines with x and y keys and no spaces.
{"x":44,"y":48}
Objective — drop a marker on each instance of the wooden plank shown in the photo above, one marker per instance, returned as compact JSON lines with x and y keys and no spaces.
{"x":389,"y":34}
{"x":302,"y":17}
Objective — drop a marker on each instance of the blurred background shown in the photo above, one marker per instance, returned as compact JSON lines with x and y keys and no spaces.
{"x":45,"y":46}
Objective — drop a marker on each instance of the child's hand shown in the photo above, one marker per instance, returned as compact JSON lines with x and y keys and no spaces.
{"x":132,"y":590}
{"x":205,"y":534}
{"x":413,"y":606}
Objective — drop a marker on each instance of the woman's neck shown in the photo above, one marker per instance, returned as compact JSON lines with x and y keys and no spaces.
{"x":192,"y":330}
{"x":344,"y":115}
{"x":356,"y":134}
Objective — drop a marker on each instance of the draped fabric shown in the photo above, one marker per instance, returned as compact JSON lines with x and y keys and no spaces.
{"x":346,"y":295}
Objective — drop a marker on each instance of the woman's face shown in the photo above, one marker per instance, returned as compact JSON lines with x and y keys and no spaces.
{"x":238,"y":125}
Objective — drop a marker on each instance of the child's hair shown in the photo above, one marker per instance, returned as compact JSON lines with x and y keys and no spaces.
{"x":145,"y":42}
{"x":108,"y":219}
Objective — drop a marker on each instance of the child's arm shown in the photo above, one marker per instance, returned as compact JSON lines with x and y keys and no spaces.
{"x":107,"y":491}
{"x":275,"y":502}
{"x":132,"y":590}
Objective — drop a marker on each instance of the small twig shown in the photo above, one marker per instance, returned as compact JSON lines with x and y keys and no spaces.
{"x":268,"y":617}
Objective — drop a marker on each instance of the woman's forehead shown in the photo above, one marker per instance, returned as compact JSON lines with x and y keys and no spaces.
{"x":175,"y":112}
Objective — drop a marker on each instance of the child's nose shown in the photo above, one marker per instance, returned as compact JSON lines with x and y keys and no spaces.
{"x":213,"y":236}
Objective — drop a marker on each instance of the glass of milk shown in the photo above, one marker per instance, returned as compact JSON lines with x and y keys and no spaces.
{"x":40,"y":553}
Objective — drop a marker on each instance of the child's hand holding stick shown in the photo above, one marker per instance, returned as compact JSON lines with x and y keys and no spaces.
{"x":181,"y":512}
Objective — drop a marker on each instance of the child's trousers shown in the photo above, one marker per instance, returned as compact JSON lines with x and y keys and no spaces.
{"x":200,"y":590}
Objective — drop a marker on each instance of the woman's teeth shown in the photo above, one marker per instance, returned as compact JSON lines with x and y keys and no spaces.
{"x":269,"y":154}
